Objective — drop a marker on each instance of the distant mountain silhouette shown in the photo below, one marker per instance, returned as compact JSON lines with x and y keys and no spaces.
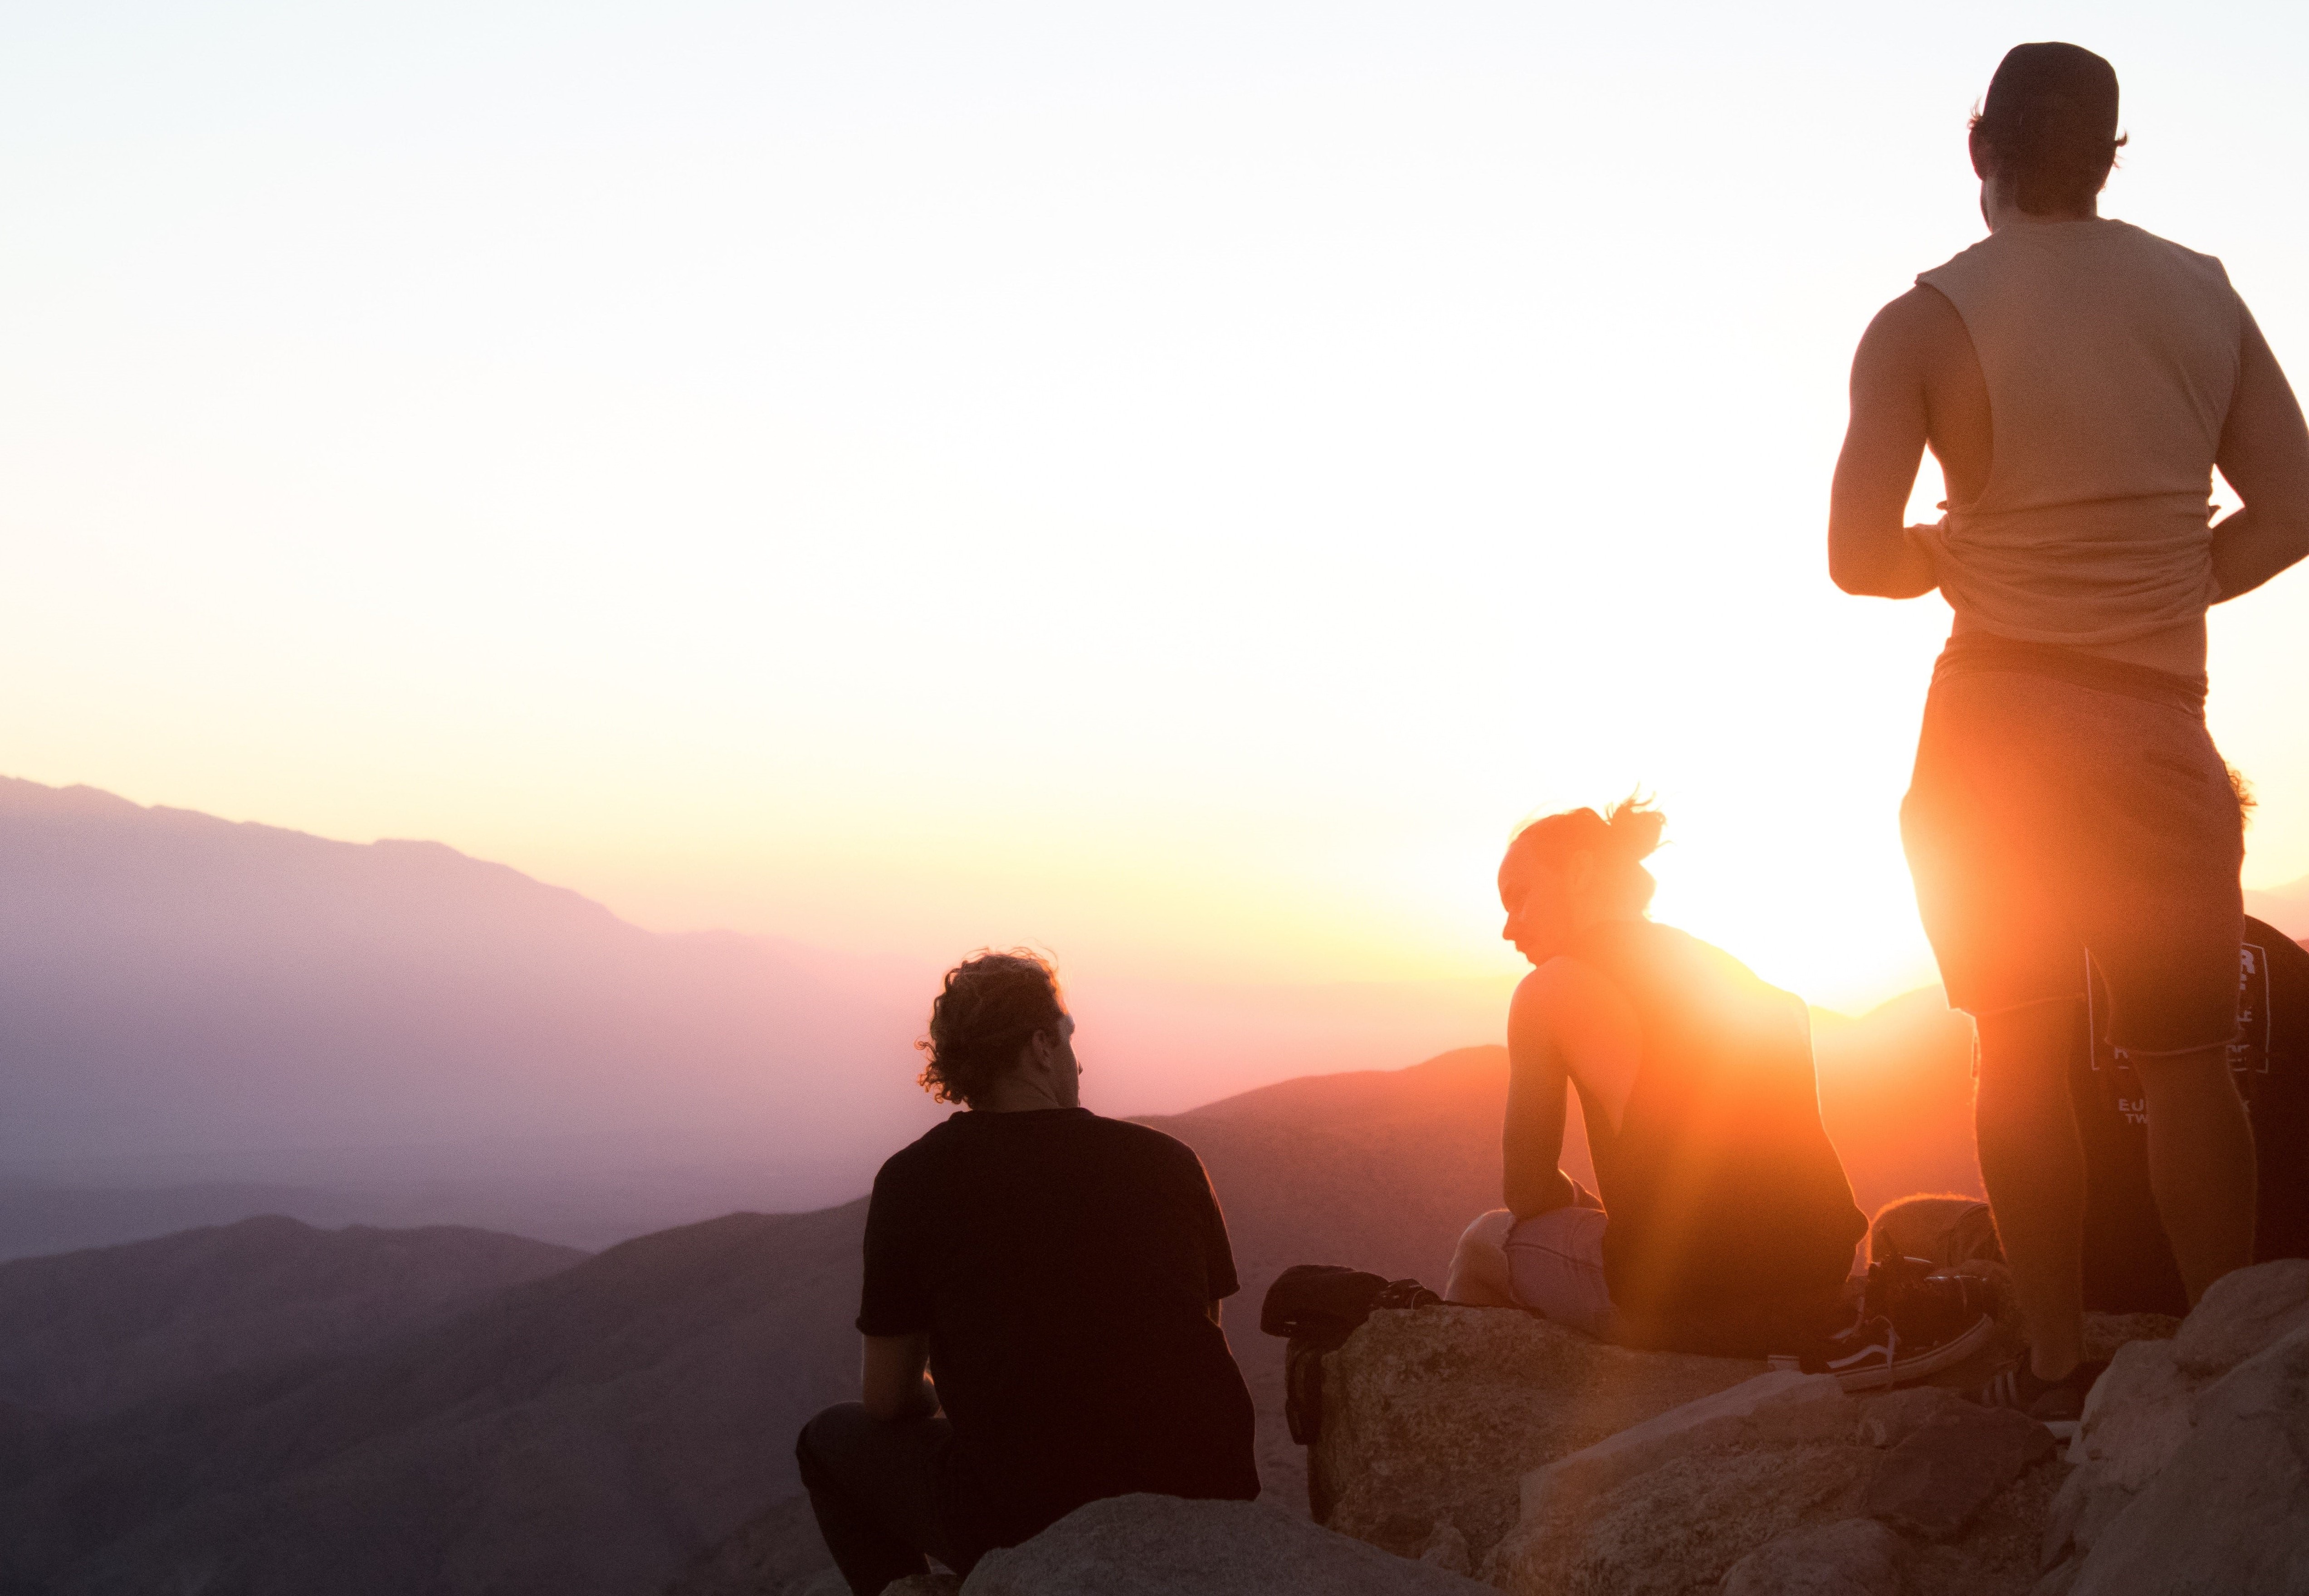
{"x":1896,"y":1095}
{"x":237,"y":1003}
{"x":596,"y":1432}
{"x":2285,"y":907}
{"x":202,"y":1020}
{"x":92,"y":1332}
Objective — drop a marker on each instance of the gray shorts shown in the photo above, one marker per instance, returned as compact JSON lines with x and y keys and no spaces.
{"x":1555,"y":1264}
{"x":2061,"y":806}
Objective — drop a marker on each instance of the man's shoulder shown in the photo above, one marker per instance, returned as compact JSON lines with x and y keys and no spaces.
{"x":1143,"y":1141}
{"x":1918,"y":316}
{"x":923,"y":1151}
{"x":2141,"y":238}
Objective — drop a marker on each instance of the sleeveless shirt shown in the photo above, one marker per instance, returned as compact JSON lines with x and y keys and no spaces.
{"x":2111,"y":357}
{"x":1728,"y":1215}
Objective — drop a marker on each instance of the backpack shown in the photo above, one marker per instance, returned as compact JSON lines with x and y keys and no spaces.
{"x":1317,"y":1307}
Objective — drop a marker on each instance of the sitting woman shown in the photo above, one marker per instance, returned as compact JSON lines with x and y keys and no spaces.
{"x":1724,"y":1223}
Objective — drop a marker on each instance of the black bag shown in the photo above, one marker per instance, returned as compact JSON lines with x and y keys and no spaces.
{"x":1318,"y":1306}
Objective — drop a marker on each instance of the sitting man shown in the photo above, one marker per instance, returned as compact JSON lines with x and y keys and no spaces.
{"x":2128,"y":1264}
{"x":1060,"y":1275}
{"x":1724,"y":1223}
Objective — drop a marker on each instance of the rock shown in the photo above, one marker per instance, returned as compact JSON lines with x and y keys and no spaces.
{"x":1854,"y":1557}
{"x":2137,"y":1414}
{"x":1447,"y":1549}
{"x":2143,"y":1413}
{"x":1438,"y":1413}
{"x":1888,"y":1419}
{"x":2230,"y":1510}
{"x":1679,"y":1513}
{"x":914,"y":1584}
{"x":2241,"y":1313}
{"x":2106,"y":1333}
{"x":1779,"y":1401}
{"x":1682,"y":1525}
{"x":1932,"y":1483}
{"x":1162,"y":1546}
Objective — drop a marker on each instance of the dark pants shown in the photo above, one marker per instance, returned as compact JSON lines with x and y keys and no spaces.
{"x":873,"y":1486}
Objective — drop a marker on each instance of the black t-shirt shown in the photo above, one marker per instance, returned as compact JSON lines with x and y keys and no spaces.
{"x":1064,"y":1266}
{"x":2129,"y":1265}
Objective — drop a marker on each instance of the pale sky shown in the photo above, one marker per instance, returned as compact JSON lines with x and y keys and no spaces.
{"x":1173,"y":484}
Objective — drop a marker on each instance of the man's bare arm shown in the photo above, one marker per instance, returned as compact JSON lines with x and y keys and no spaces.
{"x":894,"y":1382}
{"x":2265,"y":456}
{"x":1869,"y":549}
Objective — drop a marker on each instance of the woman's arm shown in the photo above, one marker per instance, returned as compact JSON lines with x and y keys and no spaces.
{"x":1567,"y":1023}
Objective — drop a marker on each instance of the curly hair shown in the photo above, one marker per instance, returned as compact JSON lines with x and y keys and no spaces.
{"x":991,"y":1005}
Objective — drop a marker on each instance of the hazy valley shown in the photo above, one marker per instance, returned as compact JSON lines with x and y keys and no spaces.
{"x":208,"y":1023}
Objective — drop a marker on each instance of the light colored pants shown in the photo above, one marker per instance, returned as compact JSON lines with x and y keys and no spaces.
{"x":1555,"y":1264}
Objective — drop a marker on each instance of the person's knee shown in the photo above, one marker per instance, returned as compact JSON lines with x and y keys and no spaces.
{"x":1489,"y":1231}
{"x":1479,"y":1263}
{"x":822,"y":1442}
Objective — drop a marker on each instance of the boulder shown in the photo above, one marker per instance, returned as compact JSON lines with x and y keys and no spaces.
{"x":1854,"y":1557}
{"x":1792,"y":1406}
{"x":913,"y":1584}
{"x":2230,"y":1511}
{"x":1436,"y":1414}
{"x":2244,"y":1311}
{"x":2145,"y":1411}
{"x":1162,"y":1546}
{"x":1894,"y":1416}
{"x":1949,"y":1468}
{"x":1716,"y":1490}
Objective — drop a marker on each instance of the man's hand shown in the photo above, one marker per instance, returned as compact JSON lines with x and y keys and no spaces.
{"x":2264,"y":455}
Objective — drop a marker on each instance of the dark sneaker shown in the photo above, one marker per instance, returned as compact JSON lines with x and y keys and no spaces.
{"x":1913,"y":1323}
{"x":1923,"y":1305}
{"x":2048,"y":1402}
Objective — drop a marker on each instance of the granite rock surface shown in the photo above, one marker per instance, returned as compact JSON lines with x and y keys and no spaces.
{"x":1434,"y":1415}
{"x":1162,"y":1546}
{"x":2222,"y":1400}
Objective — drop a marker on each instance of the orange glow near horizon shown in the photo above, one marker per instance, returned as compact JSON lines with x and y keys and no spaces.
{"x":1172,"y":490}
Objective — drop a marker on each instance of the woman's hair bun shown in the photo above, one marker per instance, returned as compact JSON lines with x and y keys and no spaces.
{"x":1633,"y":827}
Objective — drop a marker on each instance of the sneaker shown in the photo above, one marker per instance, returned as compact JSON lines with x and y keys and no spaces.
{"x":1925,"y":1305}
{"x":1913,"y":1323}
{"x":2060,"y":1402}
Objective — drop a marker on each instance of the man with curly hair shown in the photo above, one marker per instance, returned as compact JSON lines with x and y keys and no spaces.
{"x":1058,"y":1274}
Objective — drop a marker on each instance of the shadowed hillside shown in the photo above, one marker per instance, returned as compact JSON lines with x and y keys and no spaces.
{"x":92,"y":1332}
{"x":599,"y":1430}
{"x":586,"y":1433}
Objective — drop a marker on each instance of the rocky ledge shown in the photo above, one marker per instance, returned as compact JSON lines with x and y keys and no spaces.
{"x":1485,"y":1442}
{"x":1466,"y":1448}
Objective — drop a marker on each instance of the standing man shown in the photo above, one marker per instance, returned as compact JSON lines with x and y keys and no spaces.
{"x":2078,"y":379}
{"x":1060,"y":1275}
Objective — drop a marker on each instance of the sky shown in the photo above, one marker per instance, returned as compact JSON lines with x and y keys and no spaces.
{"x":1173,"y":485}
